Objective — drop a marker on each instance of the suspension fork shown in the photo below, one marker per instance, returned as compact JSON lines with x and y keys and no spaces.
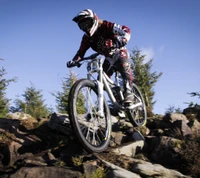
{"x":99,"y":84}
{"x":100,"y":90}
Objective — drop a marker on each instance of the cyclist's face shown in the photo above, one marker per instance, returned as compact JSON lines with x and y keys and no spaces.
{"x":86,"y":24}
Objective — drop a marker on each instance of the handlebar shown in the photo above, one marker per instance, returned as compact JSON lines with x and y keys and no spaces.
{"x":90,"y":57}
{"x":78,"y":64}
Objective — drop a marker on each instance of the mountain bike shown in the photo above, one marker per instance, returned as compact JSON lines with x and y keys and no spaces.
{"x":88,"y":108}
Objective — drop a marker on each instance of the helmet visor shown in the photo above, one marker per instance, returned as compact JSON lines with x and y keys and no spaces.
{"x":86,"y":24}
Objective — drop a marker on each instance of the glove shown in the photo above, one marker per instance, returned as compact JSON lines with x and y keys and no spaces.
{"x":109,"y":43}
{"x":71,"y":64}
{"x":107,"y":47}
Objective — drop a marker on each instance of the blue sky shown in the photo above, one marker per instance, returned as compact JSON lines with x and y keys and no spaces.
{"x":38,"y":37}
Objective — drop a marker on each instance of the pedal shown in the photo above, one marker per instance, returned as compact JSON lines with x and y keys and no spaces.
{"x":121,"y":114}
{"x":134,"y":105}
{"x":129,"y":105}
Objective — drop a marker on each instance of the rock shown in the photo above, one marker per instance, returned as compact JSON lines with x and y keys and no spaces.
{"x":118,"y":172}
{"x":129,"y":149}
{"x":164,"y":150}
{"x":89,"y":168}
{"x":114,"y":120}
{"x":46,"y":149}
{"x":19,"y":116}
{"x":195,"y":126}
{"x":174,"y":117}
{"x":192,"y":110}
{"x":118,"y":137}
{"x":44,"y":172}
{"x":138,"y":136}
{"x":148,"y":169}
{"x":60,"y":122}
{"x":182,"y":127}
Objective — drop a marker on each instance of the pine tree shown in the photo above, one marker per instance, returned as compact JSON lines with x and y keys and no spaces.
{"x":32,"y":103}
{"x":62,"y":97}
{"x":144,"y":78}
{"x":4,"y":102}
{"x":192,"y":104}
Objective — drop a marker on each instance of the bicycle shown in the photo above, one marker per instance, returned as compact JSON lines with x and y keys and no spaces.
{"x":88,"y":108}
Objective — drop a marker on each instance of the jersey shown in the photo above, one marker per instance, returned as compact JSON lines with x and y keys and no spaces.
{"x":119,"y":35}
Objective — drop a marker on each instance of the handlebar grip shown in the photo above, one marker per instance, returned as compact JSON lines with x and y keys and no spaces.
{"x":71,"y":64}
{"x":94,"y":55}
{"x":78,"y":65}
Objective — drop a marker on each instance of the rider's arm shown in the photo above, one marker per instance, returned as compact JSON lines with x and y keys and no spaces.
{"x":122,"y":35}
{"x":84,"y":46}
{"x":119,"y":34}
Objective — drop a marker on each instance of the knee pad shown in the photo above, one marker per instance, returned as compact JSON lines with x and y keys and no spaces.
{"x":126,"y":66}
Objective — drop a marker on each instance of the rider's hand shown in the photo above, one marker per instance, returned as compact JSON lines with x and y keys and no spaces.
{"x":71,"y":64}
{"x":108,"y":43}
{"x":74,"y":62}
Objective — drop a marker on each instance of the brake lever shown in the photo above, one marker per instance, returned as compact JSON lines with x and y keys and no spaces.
{"x":78,"y":65}
{"x":94,"y":55}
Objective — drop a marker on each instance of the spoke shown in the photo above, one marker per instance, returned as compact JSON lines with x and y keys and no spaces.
{"x":93,"y":138}
{"x":88,"y":135}
{"x":102,"y":133}
{"x":92,"y":128}
{"x":89,"y":99}
{"x":84,"y":130}
{"x":99,"y":140}
{"x":92,"y":135}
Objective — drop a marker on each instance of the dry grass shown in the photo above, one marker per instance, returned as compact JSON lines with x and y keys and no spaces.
{"x":77,"y":161}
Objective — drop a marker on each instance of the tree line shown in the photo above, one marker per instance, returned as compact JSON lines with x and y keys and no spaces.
{"x":32,"y":101}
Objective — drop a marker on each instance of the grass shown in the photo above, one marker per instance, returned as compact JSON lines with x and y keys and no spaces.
{"x":98,"y":173}
{"x":77,"y":161}
{"x":5,"y":138}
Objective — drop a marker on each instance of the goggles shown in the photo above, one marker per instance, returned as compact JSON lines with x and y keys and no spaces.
{"x":86,"y":24}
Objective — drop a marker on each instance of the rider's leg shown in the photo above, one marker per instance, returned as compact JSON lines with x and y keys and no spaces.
{"x":107,"y":67}
{"x":123,"y":65}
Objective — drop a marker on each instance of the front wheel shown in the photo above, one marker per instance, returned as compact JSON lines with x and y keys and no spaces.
{"x":138,"y":115}
{"x":92,"y":130}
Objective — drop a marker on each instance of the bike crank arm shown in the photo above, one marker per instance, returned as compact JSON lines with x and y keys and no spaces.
{"x":133,"y":106}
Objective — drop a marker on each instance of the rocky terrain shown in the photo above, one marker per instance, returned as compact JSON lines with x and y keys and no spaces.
{"x":48,"y":148}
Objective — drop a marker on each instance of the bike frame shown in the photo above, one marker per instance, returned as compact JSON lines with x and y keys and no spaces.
{"x":103,"y":82}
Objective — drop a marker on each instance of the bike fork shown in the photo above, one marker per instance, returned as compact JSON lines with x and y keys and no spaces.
{"x":100,"y":91}
{"x":100,"y":99}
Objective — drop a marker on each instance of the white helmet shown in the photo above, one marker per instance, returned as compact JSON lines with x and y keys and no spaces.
{"x":87,"y":21}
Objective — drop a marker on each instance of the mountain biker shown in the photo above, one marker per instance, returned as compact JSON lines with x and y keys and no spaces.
{"x":108,"y":39}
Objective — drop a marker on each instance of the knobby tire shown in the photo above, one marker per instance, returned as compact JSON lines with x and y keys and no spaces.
{"x":74,"y":117}
{"x":133,"y":114}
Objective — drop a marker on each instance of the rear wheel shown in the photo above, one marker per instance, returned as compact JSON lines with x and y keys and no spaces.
{"x":92,"y":130}
{"x":138,"y":115}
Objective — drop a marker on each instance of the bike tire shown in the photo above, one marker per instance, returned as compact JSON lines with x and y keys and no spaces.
{"x":91,"y":124}
{"x":138,"y":115}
